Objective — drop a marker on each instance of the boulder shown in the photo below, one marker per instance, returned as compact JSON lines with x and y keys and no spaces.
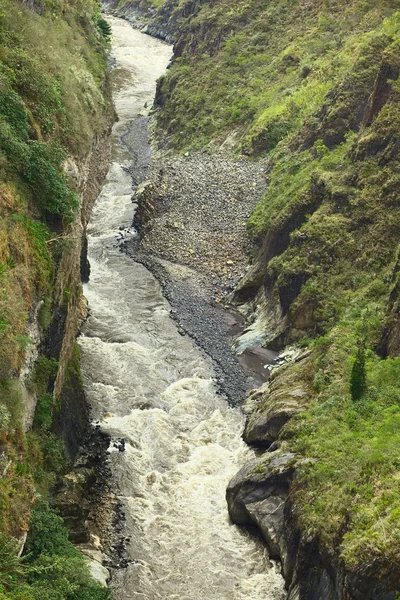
{"x":271,"y":407}
{"x":257,"y":496}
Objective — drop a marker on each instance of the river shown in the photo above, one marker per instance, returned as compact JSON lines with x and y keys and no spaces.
{"x":152,"y":387}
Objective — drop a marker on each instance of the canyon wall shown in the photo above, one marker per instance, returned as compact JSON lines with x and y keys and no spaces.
{"x":55,"y":119}
{"x":314,"y":88}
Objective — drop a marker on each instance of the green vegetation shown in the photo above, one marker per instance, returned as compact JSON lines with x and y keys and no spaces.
{"x":352,"y":494}
{"x":52,"y":104}
{"x":315,"y":86}
{"x":50,"y":97}
{"x":262,"y":68}
{"x":357,"y":375}
{"x":50,"y":569}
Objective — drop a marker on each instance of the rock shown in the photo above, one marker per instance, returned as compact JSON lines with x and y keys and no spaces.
{"x":264,"y":426}
{"x":269,"y":516}
{"x":257,"y":495}
{"x":273,"y":406}
{"x":98,"y":571}
{"x":72,"y":502}
{"x":261,"y":494}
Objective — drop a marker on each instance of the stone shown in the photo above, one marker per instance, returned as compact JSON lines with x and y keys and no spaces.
{"x":257,"y":496}
{"x":98,"y":571}
{"x":272,"y":409}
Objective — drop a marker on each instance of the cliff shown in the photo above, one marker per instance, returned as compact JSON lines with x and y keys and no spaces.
{"x":314,"y":87}
{"x":55,"y":118}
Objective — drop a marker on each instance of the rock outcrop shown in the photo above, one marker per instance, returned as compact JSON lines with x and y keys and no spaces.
{"x":260,"y":495}
{"x":270,"y":407}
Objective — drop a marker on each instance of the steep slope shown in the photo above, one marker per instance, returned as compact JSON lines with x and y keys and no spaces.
{"x":55,"y":116}
{"x":314,"y":85}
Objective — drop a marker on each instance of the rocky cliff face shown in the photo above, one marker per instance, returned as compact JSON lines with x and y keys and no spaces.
{"x":54,"y":156}
{"x":316,"y":89}
{"x":171,"y":22}
{"x":72,"y":416}
{"x":260,"y":495}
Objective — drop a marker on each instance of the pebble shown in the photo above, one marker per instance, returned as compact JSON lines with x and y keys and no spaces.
{"x":205,"y":198}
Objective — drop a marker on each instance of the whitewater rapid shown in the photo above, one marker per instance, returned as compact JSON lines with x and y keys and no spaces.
{"x":152,"y":387}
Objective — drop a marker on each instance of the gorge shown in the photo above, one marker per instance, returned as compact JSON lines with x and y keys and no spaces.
{"x":215,"y":413}
{"x":152,"y":388}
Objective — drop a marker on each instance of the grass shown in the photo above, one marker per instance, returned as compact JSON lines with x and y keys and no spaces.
{"x":351,"y":495}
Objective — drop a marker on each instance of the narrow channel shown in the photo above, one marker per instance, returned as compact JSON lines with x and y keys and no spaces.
{"x":152,"y":387}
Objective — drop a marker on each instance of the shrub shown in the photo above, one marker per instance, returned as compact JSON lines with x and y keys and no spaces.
{"x":42,"y":169}
{"x":43,"y":412}
{"x":11,"y":567}
{"x":4,"y":417}
{"x":56,"y":570}
{"x":53,"y":452}
{"x":45,"y":371}
{"x":104,"y":27}
{"x":47,"y":534}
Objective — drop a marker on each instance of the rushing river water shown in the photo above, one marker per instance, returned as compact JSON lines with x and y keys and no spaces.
{"x":151,"y":386}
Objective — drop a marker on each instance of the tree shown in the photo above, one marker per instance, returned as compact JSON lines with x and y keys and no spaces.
{"x":358,"y":382}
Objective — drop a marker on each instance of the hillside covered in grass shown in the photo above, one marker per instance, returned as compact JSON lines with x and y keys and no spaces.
{"x":53,"y":105}
{"x":314,"y":86}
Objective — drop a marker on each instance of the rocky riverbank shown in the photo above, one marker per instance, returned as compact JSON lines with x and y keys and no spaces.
{"x":191,"y":217}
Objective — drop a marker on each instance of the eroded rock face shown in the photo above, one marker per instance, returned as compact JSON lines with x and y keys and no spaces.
{"x":257,"y":496}
{"x":275,"y":409}
{"x":262,"y":494}
{"x":274,"y":404}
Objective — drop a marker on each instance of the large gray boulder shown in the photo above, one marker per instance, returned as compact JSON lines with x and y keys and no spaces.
{"x":273,"y":405}
{"x":257,"y":496}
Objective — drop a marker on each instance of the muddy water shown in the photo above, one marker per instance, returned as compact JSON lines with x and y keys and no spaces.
{"x":152,"y":387}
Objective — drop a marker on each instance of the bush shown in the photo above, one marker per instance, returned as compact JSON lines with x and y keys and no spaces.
{"x":11,"y":568}
{"x":104,"y":27}
{"x":53,"y":452}
{"x":43,"y":412}
{"x":4,"y":417}
{"x":56,"y":570}
{"x":45,"y":371}
{"x":42,"y":169}
{"x":47,"y":534}
{"x":12,"y":109}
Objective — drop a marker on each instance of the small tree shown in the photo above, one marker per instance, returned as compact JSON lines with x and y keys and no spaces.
{"x":104,"y":27}
{"x":11,"y":567}
{"x":358,"y":380}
